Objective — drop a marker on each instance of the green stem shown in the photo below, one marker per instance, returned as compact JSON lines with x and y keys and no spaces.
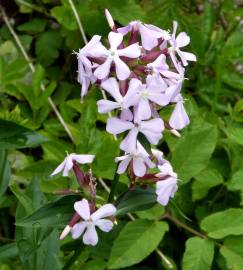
{"x":114,"y":185}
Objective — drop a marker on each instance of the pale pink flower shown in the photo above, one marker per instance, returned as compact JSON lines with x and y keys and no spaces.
{"x":179,"y":118}
{"x":140,"y":161}
{"x":152,"y":130}
{"x":166,"y":189}
{"x":85,"y":73}
{"x":178,"y":42}
{"x":158,"y":155}
{"x":148,"y":32}
{"x":111,"y":86}
{"x":90,"y":221}
{"x":113,"y":55}
{"x":67,"y":164}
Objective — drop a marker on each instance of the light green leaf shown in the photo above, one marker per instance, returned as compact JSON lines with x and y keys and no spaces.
{"x":205,"y":180}
{"x":193,"y":151}
{"x":65,"y":17}
{"x":135,"y":242}
{"x":236,"y":134}
{"x":8,"y":251}
{"x":198,"y":255}
{"x":232,"y":250}
{"x":222,"y":224}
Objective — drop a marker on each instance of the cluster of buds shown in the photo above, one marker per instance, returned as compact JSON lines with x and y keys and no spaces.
{"x":141,"y":72}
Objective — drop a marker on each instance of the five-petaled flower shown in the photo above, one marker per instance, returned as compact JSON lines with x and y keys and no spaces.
{"x":67,"y":164}
{"x":90,"y":221}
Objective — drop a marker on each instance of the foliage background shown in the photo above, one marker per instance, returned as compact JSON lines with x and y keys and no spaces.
{"x":202,"y":228}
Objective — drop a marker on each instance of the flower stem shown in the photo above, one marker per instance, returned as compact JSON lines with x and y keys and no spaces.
{"x":114,"y":185}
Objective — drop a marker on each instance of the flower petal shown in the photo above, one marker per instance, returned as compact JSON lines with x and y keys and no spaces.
{"x":153,"y":125}
{"x":130,"y":141}
{"x":90,"y":236}
{"x":103,"y":70}
{"x":179,"y":118}
{"x":115,"y":39}
{"x":132,"y":51}
{"x":112,"y":87}
{"x":83,"y":159}
{"x":122,"y":69}
{"x":104,"y":224}
{"x":105,"y":210}
{"x":82,"y":208}
{"x":188,"y":56}
{"x":116,"y":126}
{"x":68,"y":165}
{"x":59,"y":168}
{"x":143,"y":111}
{"x":139,"y":167}
{"x":105,"y":106}
{"x":78,"y":229}
{"x":182,"y":39}
{"x":123,"y":164}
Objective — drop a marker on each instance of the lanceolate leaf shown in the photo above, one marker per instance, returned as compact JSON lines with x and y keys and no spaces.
{"x":4,"y":172}
{"x":14,"y":136}
{"x":198,"y":255}
{"x":53,"y":214}
{"x":135,"y":242}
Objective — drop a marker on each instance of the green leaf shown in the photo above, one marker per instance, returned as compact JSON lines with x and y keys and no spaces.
{"x":205,"y":180}
{"x":4,"y":172}
{"x":232,"y":250}
{"x":135,"y":200}
{"x":193,"y":151}
{"x":8,"y":251}
{"x":53,"y":214}
{"x":236,"y":181}
{"x":235,"y":134}
{"x":16,"y":136}
{"x":135,"y":242}
{"x":198,"y":255}
{"x":65,"y":17}
{"x":38,"y":247}
{"x":222,"y":224}
{"x":47,"y":46}
{"x":33,"y":26}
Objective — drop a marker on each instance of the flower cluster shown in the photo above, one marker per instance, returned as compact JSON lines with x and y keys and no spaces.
{"x":141,"y":72}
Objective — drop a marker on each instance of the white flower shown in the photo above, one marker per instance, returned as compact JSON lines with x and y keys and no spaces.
{"x":90,"y":221}
{"x":166,"y":189}
{"x":67,"y":164}
{"x":140,"y":160}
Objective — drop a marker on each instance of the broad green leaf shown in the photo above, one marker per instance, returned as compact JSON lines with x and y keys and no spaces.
{"x":65,"y":17}
{"x":53,"y":214}
{"x":4,"y":172}
{"x":135,"y":242}
{"x":135,"y":200}
{"x":33,"y":26}
{"x":222,"y":224}
{"x":232,"y":250}
{"x":15,"y":136}
{"x":47,"y":46}
{"x":96,"y":264}
{"x":193,"y":151}
{"x":198,"y":255}
{"x":236,"y":181}
{"x":236,"y":134}
{"x":205,"y":180}
{"x":8,"y":251}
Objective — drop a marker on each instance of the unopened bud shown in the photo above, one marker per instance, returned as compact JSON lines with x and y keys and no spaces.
{"x":109,"y":19}
{"x":175,"y":132}
{"x":65,"y":232}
